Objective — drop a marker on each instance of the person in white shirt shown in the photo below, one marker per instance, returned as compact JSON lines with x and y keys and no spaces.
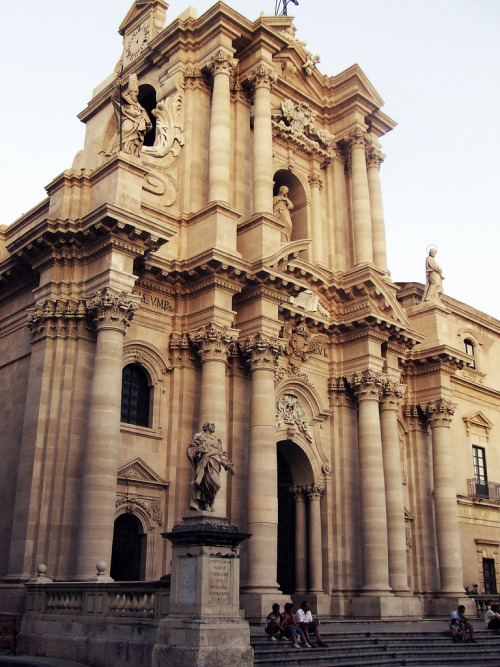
{"x":492,"y":617}
{"x":304,"y":620}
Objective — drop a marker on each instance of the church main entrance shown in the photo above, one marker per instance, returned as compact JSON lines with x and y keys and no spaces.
{"x":127,"y":554}
{"x":286,"y":528}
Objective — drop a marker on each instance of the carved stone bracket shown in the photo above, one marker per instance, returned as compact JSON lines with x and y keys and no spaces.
{"x":440,"y":413}
{"x":57,"y":318}
{"x":222,"y":62}
{"x":262,"y":352}
{"x":213,"y":342}
{"x":367,"y":385}
{"x":391,"y":395}
{"x":111,"y":310}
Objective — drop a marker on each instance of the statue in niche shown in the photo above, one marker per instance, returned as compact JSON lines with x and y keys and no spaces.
{"x":131,"y":117}
{"x":206,"y":457}
{"x":281,"y":211}
{"x":434,"y":278}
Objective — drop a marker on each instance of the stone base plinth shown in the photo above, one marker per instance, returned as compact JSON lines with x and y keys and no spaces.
{"x":443,"y":606}
{"x":257,"y":604}
{"x":386,"y":606}
{"x":190,"y":642}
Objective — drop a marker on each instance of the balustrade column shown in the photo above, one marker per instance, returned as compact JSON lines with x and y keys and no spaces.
{"x":391,"y":396}
{"x":361,"y":215}
{"x":112,"y":314}
{"x":316,"y":183}
{"x":367,"y":387}
{"x":374,"y":159}
{"x":262,"y":353}
{"x":300,"y":540}
{"x":263,"y":78}
{"x":440,"y":414}
{"x":314,"y":542}
{"x":219,"y":152}
{"x":213,"y":343}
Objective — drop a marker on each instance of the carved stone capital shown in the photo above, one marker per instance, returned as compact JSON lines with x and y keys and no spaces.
{"x":316,"y":180}
{"x":111,"y":310}
{"x":57,"y":318}
{"x":367,"y":385}
{"x":374,"y":157}
{"x":213,"y":342}
{"x":391,"y":395}
{"x":298,"y":493}
{"x":263,"y":77}
{"x":222,"y":63}
{"x":262,"y":352}
{"x":314,"y":491}
{"x":356,"y":138}
{"x":440,"y":413}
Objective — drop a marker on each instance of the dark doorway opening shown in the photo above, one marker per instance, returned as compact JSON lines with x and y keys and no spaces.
{"x":490,"y":579}
{"x":286,"y":528}
{"x":127,"y":553}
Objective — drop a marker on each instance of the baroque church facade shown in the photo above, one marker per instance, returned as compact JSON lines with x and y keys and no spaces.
{"x":217,"y":253}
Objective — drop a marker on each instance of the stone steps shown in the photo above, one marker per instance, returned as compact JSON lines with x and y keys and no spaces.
{"x":380,"y":649}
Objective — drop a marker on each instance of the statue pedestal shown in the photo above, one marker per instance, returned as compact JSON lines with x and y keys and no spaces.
{"x":204,"y":625}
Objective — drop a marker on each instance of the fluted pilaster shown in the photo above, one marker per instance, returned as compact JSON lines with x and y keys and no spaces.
{"x":361,"y":215}
{"x":316,"y":183}
{"x":374,"y":158}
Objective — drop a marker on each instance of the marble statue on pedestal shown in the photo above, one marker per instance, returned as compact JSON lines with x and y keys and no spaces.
{"x":434,"y":278}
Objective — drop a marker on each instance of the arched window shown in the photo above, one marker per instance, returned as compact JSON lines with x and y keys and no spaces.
{"x":469,"y":349}
{"x":135,"y":396}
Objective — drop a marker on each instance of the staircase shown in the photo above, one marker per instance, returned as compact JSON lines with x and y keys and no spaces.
{"x":379,"y":648}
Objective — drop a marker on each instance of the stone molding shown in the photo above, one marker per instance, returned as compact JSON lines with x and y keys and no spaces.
{"x":213,"y":342}
{"x":152,"y":509}
{"x":222,"y":63}
{"x":262,"y":352}
{"x":440,"y":413}
{"x":111,"y":310}
{"x":58,"y":318}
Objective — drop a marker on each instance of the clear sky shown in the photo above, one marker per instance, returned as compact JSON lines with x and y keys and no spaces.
{"x":435,"y":63}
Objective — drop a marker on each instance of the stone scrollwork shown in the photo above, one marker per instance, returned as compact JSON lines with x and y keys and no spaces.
{"x":169,"y":128}
{"x":213,"y":342}
{"x":153,"y":509}
{"x":307,"y":300}
{"x":290,"y":412}
{"x":111,"y":310}
{"x":297,"y":126}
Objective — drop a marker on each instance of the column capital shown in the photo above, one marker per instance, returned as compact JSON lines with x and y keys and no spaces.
{"x":263,"y":76}
{"x":57,"y":317}
{"x":367,"y":385}
{"x":357,"y":137}
{"x":262,"y":352}
{"x":391,"y":395}
{"x":213,"y":342}
{"x":374,"y":156}
{"x":440,"y":413}
{"x":222,"y":63}
{"x":314,"y":491}
{"x":111,"y":310}
{"x":316,"y":180}
{"x":298,"y":493}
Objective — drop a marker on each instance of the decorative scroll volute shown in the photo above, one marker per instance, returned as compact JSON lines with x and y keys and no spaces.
{"x":111,"y":310}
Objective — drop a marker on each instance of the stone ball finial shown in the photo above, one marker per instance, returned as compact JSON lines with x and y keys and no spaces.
{"x":41,"y":569}
{"x":101,"y":567}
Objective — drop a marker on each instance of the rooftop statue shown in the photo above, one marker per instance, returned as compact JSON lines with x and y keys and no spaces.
{"x":281,"y":211}
{"x":434,"y":278}
{"x":206,"y":457}
{"x":132,"y":119}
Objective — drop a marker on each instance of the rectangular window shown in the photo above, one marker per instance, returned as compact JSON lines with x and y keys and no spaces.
{"x":490,"y":579}
{"x":480,"y":477}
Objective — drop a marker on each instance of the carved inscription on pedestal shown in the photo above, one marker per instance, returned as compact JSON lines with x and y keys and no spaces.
{"x":187,"y":580}
{"x":219,"y":581}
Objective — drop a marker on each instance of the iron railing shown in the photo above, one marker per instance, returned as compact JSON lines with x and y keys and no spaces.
{"x":487,"y":490}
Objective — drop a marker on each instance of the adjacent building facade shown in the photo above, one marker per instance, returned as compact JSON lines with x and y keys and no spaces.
{"x":217,"y":254}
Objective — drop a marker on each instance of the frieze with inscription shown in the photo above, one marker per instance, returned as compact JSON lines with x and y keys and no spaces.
{"x":155,"y":301}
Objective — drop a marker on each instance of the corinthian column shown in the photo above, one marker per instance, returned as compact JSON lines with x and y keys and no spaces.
{"x":213,"y":343}
{"x":316,"y":183}
{"x":367,"y":386}
{"x":361,"y":216}
{"x":440,"y":414}
{"x":391,"y":396}
{"x":374,"y":158}
{"x":301,"y":540}
{"x":112,"y":314}
{"x":315,"y":543}
{"x":262,"y":353}
{"x":263,"y":78}
{"x":219,"y":152}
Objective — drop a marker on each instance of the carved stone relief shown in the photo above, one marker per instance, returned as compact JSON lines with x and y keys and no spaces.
{"x":290,"y":412}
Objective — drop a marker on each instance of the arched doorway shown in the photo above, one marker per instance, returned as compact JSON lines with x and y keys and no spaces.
{"x":127,"y":556}
{"x":286,"y":528}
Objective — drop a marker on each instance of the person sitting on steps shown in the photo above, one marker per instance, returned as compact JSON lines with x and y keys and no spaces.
{"x":292,"y":631}
{"x":305,"y":622}
{"x":274,"y":624}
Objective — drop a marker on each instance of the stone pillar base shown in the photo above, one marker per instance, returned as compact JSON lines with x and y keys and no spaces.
{"x":320,"y":603}
{"x":444,"y":605}
{"x":189,"y":642}
{"x":258,"y":603}
{"x":372,"y":606}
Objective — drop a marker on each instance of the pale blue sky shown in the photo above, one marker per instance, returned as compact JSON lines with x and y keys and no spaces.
{"x":436,"y":64}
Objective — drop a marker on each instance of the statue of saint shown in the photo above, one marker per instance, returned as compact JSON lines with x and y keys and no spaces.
{"x":434,"y":278}
{"x":206,"y":457}
{"x":281,"y":211}
{"x":132,"y":117}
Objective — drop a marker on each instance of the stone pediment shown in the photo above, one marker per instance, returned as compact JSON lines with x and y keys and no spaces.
{"x":137,"y":471}
{"x":140,"y":10}
{"x":479,"y":421}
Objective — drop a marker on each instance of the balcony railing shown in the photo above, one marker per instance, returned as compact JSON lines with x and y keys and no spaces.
{"x":487,"y":490}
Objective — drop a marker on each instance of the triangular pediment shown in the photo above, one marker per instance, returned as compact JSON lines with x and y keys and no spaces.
{"x":479,"y":420}
{"x":137,"y":470}
{"x":139,"y":11}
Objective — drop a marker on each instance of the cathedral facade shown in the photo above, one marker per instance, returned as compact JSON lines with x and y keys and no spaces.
{"x":216,"y":254}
